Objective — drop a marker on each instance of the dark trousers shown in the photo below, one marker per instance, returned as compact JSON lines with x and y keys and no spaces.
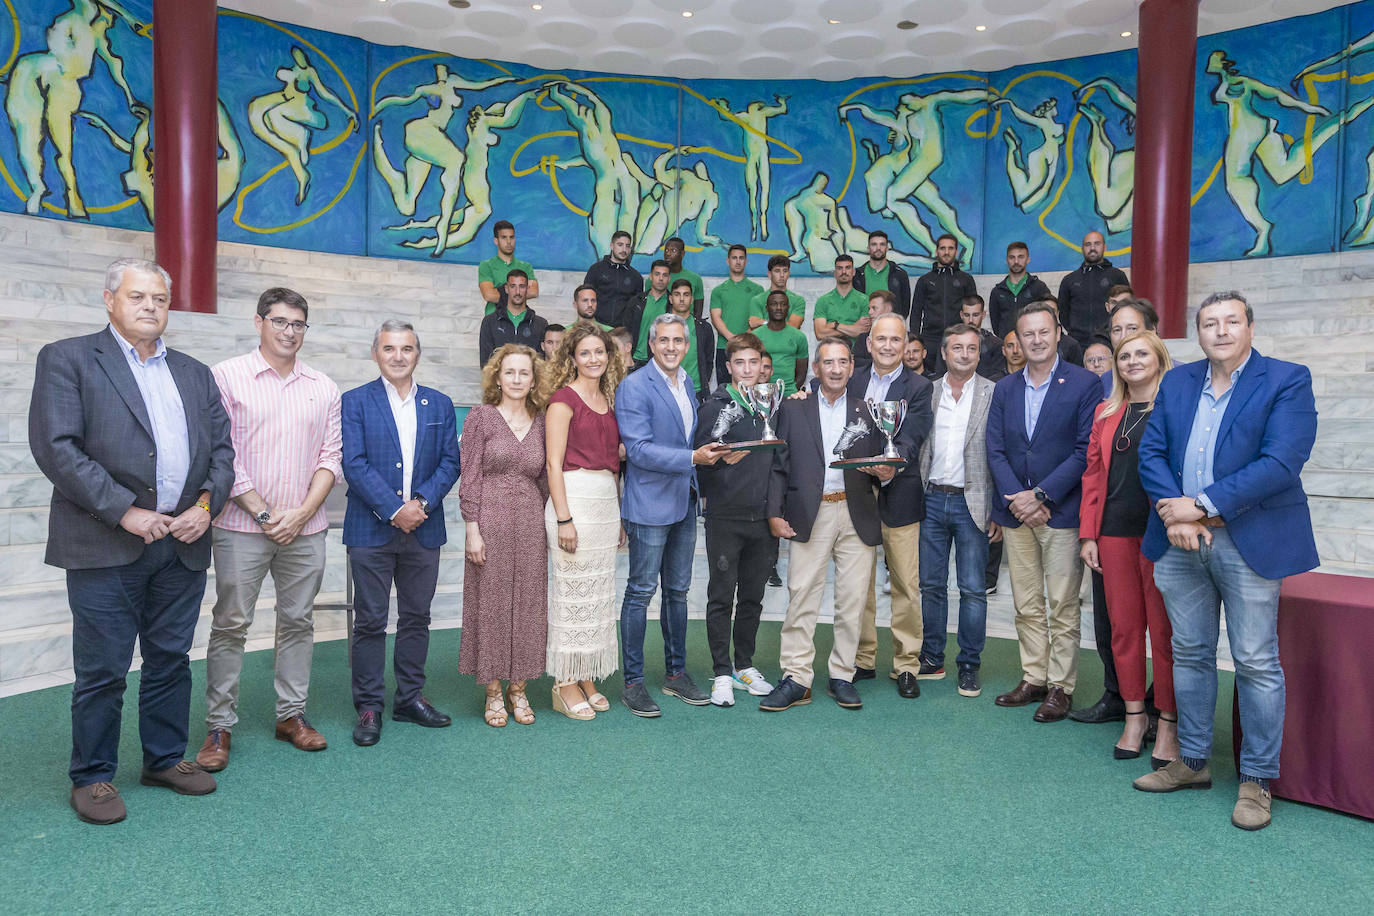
{"x":156,"y":600}
{"x":415,"y":570}
{"x":994,"y":563}
{"x":933,"y":360}
{"x":1102,"y":632}
{"x":722,"y":369}
{"x":741,"y":556}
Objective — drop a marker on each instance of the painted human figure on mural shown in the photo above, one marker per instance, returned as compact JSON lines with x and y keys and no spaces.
{"x":616,"y":190}
{"x":428,"y":145}
{"x":285,"y":119}
{"x":1031,"y":174}
{"x":676,"y":196}
{"x":915,"y":134}
{"x":753,"y":123}
{"x":45,"y":93}
{"x":819,"y":229}
{"x":1361,"y":229}
{"x":1253,"y":135}
{"x":138,"y":178}
{"x":482,"y":124}
{"x":1112,"y":171}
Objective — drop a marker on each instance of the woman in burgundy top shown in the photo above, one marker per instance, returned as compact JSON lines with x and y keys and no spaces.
{"x":582,"y":519}
{"x":1111,"y":524}
{"x":501,"y":494}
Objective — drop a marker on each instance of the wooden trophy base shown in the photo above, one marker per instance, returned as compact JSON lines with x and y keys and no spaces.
{"x":755,"y":445}
{"x":858,"y":464}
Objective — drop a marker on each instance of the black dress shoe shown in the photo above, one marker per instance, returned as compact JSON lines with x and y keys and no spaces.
{"x":907,"y":686}
{"x":1111,"y":708}
{"x":368,"y":731}
{"x":846,"y":697}
{"x":863,"y":674}
{"x":421,"y":713}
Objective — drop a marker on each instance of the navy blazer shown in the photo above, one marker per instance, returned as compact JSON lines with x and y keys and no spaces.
{"x":1056,"y":457}
{"x":902,"y":501}
{"x":660,"y":479}
{"x":91,"y":436}
{"x":372,"y":464}
{"x":1266,"y":437}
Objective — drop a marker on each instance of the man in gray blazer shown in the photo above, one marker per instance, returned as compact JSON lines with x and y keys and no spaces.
{"x":954,"y":466}
{"x":136,"y":443}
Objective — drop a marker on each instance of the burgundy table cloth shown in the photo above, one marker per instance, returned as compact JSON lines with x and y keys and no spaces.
{"x":1326,"y":647}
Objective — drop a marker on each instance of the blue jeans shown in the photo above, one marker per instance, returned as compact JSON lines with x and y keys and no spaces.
{"x":1195,"y":586}
{"x":948,"y":523}
{"x":658,"y":554}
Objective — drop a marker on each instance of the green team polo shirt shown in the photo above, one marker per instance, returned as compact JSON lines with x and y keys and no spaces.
{"x":843,"y":309}
{"x":517,"y":319}
{"x":875,"y":281}
{"x":733,"y":299}
{"x":493,"y":270}
{"x":796,"y":305}
{"x":652,"y":309}
{"x":698,"y":290}
{"x":786,"y":347}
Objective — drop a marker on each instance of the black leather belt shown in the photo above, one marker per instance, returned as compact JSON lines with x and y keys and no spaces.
{"x":941,"y":488}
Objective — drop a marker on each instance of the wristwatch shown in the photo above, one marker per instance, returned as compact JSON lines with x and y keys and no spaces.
{"x":1197,"y":501}
{"x":1040,"y":495}
{"x":424,"y":503}
{"x":263,"y":517}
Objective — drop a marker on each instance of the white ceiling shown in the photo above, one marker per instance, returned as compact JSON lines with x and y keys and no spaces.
{"x":758,"y":39}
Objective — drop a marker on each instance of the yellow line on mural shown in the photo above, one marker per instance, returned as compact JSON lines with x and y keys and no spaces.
{"x":552,"y":171}
{"x":1197,"y":196}
{"x":14,"y":47}
{"x":238,"y":205}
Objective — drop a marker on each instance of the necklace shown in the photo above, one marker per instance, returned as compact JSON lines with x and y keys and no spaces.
{"x":1123,"y":437}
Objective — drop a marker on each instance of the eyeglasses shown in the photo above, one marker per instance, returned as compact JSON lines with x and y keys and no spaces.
{"x":281,"y":324}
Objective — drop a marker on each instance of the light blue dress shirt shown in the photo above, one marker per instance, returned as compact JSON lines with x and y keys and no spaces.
{"x":1200,"y":455}
{"x":1035,"y":397}
{"x":168,"y":416}
{"x":833,"y":417}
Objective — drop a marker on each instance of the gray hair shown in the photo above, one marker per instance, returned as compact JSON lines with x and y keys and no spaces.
{"x":666,"y":318}
{"x":395,"y":326}
{"x":1225,"y":295}
{"x":114,"y":274}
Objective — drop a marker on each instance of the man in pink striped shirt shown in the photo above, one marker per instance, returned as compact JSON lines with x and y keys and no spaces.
{"x":288,"y":448}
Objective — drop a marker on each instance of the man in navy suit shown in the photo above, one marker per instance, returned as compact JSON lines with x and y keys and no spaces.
{"x":656,"y":409}
{"x":1038,"y":428}
{"x":136,"y":443}
{"x":1220,"y":460}
{"x":400,"y":458}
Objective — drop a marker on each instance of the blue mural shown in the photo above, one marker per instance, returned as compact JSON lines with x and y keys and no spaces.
{"x":330,"y":143}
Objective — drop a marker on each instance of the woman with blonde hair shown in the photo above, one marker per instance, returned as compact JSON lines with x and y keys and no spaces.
{"x":501,"y":494}
{"x":1112,"y":522}
{"x":582,"y":519}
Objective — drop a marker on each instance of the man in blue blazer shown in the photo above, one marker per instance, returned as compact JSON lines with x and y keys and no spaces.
{"x":1038,"y":428}
{"x":656,"y":409}
{"x":400,"y":458}
{"x":1220,"y":460}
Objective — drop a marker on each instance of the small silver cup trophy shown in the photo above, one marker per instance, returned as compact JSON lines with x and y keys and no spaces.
{"x":889,"y":416}
{"x":764,"y":400}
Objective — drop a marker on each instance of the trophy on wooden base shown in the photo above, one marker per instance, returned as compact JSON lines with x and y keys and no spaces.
{"x":764,"y":400}
{"x":888,"y":415}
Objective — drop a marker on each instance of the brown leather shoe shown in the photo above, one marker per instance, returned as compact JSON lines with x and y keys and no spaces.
{"x":1024,"y":694}
{"x":300,"y":733}
{"x":184,"y":778}
{"x":98,"y":803}
{"x":1056,"y":706}
{"x":214,"y":753}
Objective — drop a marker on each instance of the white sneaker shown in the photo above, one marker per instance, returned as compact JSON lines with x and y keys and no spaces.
{"x":751,"y":679}
{"x":722,"y":691}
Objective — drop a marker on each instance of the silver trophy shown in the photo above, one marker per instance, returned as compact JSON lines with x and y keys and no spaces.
{"x":889,"y":416}
{"x":729,"y":415}
{"x":764,"y":400}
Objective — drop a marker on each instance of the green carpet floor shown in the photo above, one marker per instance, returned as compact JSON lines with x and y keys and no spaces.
{"x":940,"y":804}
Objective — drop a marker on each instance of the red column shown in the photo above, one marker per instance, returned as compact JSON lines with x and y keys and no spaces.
{"x":1164,"y":158}
{"x":186,"y":146}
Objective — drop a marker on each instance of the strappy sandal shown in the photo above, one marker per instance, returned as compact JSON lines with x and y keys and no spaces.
{"x":1156,"y":762}
{"x":495,"y":712}
{"x":520,"y":706}
{"x":1126,"y":753}
{"x":595,"y":699}
{"x":582,"y":711}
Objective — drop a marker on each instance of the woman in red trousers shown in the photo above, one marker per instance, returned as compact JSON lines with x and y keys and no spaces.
{"x":1112,"y":522}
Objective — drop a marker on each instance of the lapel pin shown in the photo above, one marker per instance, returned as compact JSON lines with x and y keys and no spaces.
{"x":1061,"y":381}
{"x":424,"y":402}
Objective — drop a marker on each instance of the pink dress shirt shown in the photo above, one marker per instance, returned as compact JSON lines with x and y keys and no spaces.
{"x":283,"y":430}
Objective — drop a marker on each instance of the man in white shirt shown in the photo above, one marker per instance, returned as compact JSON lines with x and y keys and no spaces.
{"x":958,"y":486}
{"x":400,"y":457}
